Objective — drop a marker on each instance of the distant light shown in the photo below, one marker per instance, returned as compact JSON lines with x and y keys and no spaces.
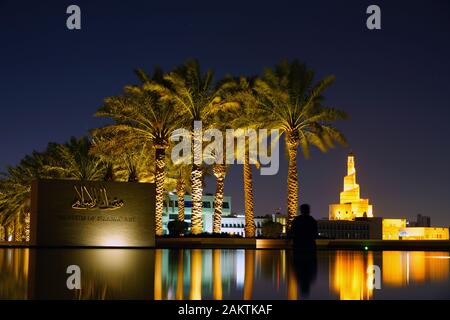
{"x":114,"y":241}
{"x":366,"y":248}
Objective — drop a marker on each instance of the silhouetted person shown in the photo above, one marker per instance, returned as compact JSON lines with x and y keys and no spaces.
{"x":304,"y":229}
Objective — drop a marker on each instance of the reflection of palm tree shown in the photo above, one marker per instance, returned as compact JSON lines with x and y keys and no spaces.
{"x":196,"y":275}
{"x":179,"y":295}
{"x":13,"y":273}
{"x":217,"y":275}
{"x":249,"y":272}
{"x":92,"y":289}
{"x":158,"y":275}
{"x":294,"y":105}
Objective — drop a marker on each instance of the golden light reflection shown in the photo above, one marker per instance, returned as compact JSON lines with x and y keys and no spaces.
{"x":196,"y":275}
{"x":400,"y":268}
{"x":291,"y":282}
{"x":158,"y":274}
{"x":217,"y":275}
{"x":249,"y":273}
{"x":14,"y":273}
{"x":348,"y":275}
{"x":180,"y":276}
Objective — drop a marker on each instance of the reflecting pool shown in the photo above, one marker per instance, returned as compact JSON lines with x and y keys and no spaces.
{"x":224,"y":274}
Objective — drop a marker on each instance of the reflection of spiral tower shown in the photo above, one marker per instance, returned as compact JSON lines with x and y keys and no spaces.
{"x":351,"y":206}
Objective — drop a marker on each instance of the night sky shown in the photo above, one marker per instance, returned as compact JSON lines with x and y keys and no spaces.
{"x":393,"y":82}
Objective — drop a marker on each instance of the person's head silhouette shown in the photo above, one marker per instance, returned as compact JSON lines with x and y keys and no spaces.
{"x":305,"y":209}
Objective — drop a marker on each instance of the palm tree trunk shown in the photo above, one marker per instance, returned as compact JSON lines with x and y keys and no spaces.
{"x":10,"y":231}
{"x":17,"y":229}
{"x":220,"y":172}
{"x":248,"y":195}
{"x":160,"y":179}
{"x":197,"y":183}
{"x":2,"y":233}
{"x":292,"y":197}
{"x":181,"y":190}
{"x":197,"y":191}
{"x":27,"y":225}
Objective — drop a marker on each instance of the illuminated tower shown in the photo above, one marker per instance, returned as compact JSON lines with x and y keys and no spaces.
{"x":351,"y":206}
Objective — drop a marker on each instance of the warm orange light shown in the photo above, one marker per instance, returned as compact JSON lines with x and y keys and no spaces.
{"x":349,"y":275}
{"x":392,"y":227}
{"x":196,"y":275}
{"x":249,"y":271}
{"x":158,"y":274}
{"x":424,"y":233}
{"x":401,"y":268}
{"x":351,"y":205}
{"x":217,"y":275}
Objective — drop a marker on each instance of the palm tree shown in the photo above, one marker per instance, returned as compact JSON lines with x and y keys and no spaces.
{"x":147,"y":118}
{"x":130,"y":161}
{"x":294,"y":104}
{"x":196,"y":98}
{"x":15,"y":194}
{"x":249,"y":116}
{"x":73,"y":160}
{"x":69,"y":161}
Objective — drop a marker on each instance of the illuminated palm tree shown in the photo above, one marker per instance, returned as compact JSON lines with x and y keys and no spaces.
{"x":73,"y":160}
{"x":249,"y":116}
{"x":64,"y":161}
{"x":294,"y":104}
{"x":14,"y":202}
{"x":148,"y":119}
{"x":221,"y":121}
{"x":130,"y":161}
{"x":15,"y":194}
{"x":196,"y":98}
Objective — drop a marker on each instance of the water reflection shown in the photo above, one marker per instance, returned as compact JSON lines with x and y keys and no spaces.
{"x":348,"y":275}
{"x":222,"y":274}
{"x":305,"y":266}
{"x":14,"y":264}
{"x":416,"y":267}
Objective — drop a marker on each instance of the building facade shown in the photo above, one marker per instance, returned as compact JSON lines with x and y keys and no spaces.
{"x":170,"y":211}
{"x":235,"y":224}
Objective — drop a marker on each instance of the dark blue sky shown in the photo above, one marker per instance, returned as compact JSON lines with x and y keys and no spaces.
{"x":393,"y":82}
